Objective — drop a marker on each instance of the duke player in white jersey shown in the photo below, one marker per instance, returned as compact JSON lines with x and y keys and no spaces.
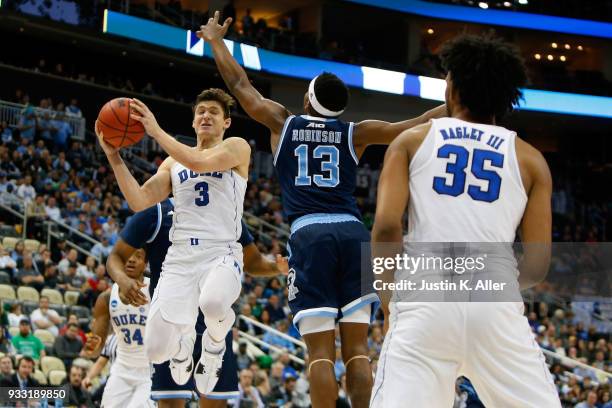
{"x":466,"y":180}
{"x":203,"y":266}
{"x":129,"y":383}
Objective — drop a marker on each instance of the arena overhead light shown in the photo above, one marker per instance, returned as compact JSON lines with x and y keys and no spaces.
{"x":483,"y":5}
{"x":550,"y":57}
{"x":507,"y":4}
{"x":537,"y":56}
{"x":554,"y":45}
{"x":567,"y":46}
{"x":580,"y":48}
{"x":430,"y":31}
{"x":523,"y":2}
{"x":562,"y":58}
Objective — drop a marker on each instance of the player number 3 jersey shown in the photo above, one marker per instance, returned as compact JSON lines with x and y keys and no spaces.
{"x":207,"y":206}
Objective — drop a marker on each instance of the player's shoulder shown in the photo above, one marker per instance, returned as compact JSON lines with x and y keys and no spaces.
{"x":237,"y":142}
{"x":167,"y":163}
{"x":411,"y":139}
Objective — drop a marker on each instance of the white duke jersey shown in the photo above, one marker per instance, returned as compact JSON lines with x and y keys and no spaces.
{"x":129,"y":326}
{"x":207,"y":206}
{"x":465,"y":185}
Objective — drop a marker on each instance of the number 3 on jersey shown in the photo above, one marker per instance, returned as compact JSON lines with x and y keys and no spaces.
{"x":457,"y":170}
{"x":203,"y":199}
{"x":330,"y":166}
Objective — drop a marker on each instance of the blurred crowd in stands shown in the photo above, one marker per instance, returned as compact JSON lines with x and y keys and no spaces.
{"x":69,"y":183}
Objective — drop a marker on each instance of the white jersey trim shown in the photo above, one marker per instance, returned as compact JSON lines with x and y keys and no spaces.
{"x":420,"y":151}
{"x":159,"y":222}
{"x":517,"y":168}
{"x":282,"y":137}
{"x":350,"y":142}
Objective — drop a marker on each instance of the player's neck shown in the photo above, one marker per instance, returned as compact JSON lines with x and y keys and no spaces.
{"x":209,"y":143}
{"x":464,"y":114}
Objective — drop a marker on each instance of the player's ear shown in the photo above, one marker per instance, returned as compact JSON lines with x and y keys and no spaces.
{"x":227,"y":123}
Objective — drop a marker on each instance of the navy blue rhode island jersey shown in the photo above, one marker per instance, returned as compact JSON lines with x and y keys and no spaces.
{"x":150,"y":229}
{"x":316,"y":166}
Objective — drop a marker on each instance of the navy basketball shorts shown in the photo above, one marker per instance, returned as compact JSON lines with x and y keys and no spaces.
{"x":163,"y":387}
{"x":330,"y":273}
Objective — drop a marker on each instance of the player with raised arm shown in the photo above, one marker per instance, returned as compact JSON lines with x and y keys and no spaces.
{"x":316,"y":157}
{"x":129,"y":383}
{"x":467,"y":180}
{"x":203,"y":266}
{"x":150,"y":229}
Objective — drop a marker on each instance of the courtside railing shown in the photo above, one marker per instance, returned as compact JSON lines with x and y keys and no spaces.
{"x":11,"y":114}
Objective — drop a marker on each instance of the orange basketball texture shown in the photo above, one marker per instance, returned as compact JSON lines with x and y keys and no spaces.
{"x":117,"y":128}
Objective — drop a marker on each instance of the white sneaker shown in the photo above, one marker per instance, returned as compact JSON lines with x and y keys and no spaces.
{"x":208,"y":369}
{"x":181,"y":370}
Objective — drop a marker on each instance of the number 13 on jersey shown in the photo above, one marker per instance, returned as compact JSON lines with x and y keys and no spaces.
{"x":329,"y":165}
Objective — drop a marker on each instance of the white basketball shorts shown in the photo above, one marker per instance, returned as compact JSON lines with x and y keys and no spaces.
{"x":429,"y":345}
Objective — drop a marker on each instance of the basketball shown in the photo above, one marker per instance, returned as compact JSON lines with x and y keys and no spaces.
{"x":117,"y":127}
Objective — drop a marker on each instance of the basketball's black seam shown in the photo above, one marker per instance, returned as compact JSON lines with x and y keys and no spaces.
{"x":114,"y":128}
{"x":115,"y":113}
{"x":126,"y":125}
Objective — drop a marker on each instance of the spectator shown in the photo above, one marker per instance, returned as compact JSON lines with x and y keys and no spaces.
{"x":45,"y":318}
{"x":276,"y":375}
{"x":27,"y":123}
{"x":6,"y":368}
{"x":73,"y":109}
{"x":247,"y":23}
{"x":242,"y":357}
{"x":76,"y":394}
{"x":26,"y":343}
{"x":37,"y":207}
{"x":7,"y":264}
{"x":71,"y":281}
{"x":63,"y":132}
{"x":275,"y":309}
{"x":50,"y":275}
{"x":591,"y":401}
{"x":52,"y":210}
{"x":17,"y":253}
{"x":22,"y":378}
{"x":283,"y":395}
{"x":26,"y":191}
{"x":102,"y":249}
{"x":73,"y":319}
{"x":28,"y":275}
{"x":68,"y":346}
{"x":7,"y":133}
{"x":249,"y":395}
{"x":6,"y":346}
{"x":15,"y":316}
{"x":71,"y":257}
{"x":88,"y":270}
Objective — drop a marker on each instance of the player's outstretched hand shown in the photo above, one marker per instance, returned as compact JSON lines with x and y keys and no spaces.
{"x":108,"y":149}
{"x":130,"y":293}
{"x":282,"y":264}
{"x":213,"y":30}
{"x":143,"y":114}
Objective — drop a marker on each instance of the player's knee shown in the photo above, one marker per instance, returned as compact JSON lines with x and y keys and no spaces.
{"x":214,"y":305}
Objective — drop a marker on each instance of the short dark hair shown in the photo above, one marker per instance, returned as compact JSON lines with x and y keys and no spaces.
{"x":486,"y":71}
{"x":331,"y":92}
{"x":25,"y":358}
{"x":219,"y":95}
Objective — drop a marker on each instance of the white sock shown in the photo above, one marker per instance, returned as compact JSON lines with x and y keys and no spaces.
{"x":210,"y":345}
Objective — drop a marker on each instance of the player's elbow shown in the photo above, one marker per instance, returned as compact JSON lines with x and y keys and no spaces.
{"x":386,"y":230}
